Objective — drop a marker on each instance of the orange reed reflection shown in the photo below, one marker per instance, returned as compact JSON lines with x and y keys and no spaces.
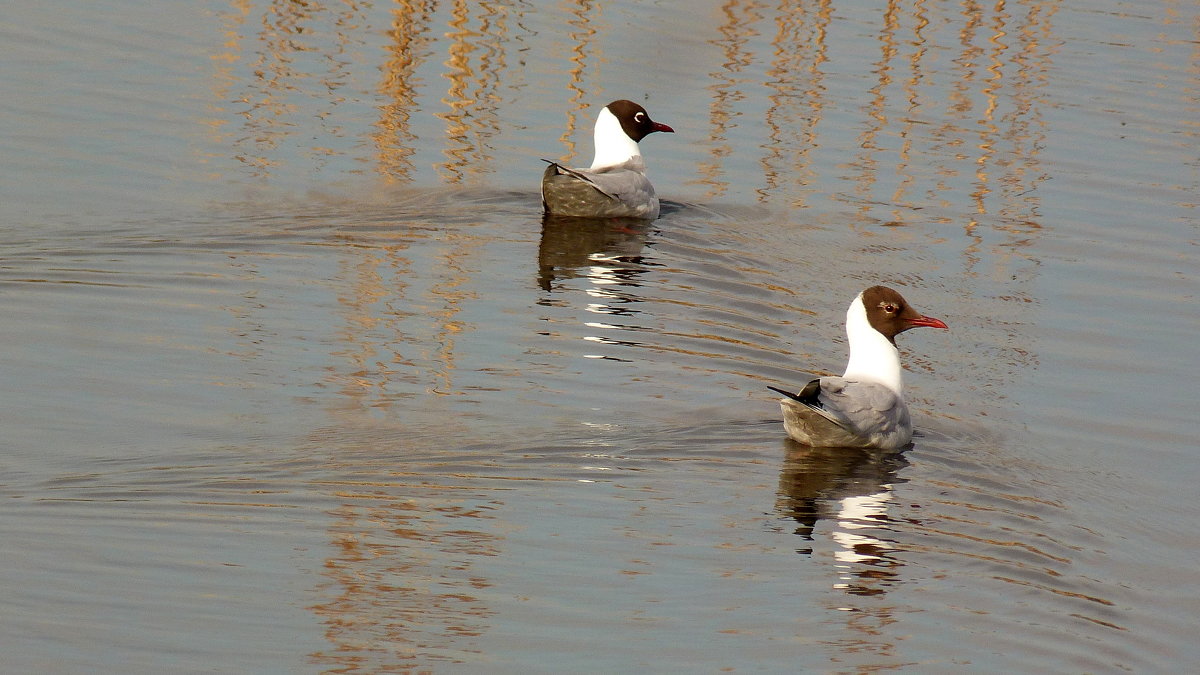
{"x":912,"y":88}
{"x":736,"y":31}
{"x":795,"y":75}
{"x":224,"y":76}
{"x":876,"y":109}
{"x":402,"y":320}
{"x":394,"y":139}
{"x":1009,"y":131}
{"x":400,"y":585}
{"x":985,"y":148}
{"x":295,"y":57}
{"x":403,"y":592}
{"x":1009,"y":83}
{"x":1026,"y":128}
{"x":372,"y":345}
{"x":476,"y":63}
{"x":581,"y":36}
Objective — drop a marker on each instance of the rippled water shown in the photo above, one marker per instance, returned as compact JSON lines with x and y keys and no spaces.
{"x":300,"y":380}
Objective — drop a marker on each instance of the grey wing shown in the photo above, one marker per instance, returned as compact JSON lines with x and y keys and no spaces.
{"x":615,"y":191}
{"x":586,"y":177}
{"x":577,"y":192}
{"x":626,"y":182}
{"x":870,"y":409}
{"x":807,"y":421}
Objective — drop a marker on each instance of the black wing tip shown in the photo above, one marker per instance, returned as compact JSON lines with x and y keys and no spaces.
{"x":811,"y":391}
{"x":786,"y":393}
{"x":555,"y":168}
{"x":809,"y":395}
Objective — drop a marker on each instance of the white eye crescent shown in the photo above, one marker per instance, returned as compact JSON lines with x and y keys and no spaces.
{"x":639,"y":117}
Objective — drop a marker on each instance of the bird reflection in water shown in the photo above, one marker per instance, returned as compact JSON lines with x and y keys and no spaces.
{"x":852,"y":489}
{"x":598,"y":248}
{"x":607,"y":253}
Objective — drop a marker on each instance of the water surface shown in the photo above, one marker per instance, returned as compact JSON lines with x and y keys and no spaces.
{"x":300,"y":380}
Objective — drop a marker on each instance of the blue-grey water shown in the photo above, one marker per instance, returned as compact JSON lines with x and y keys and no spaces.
{"x":298,"y":379}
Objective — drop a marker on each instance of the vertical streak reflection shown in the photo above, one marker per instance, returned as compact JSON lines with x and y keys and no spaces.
{"x":458,"y":72}
{"x":867,"y":163}
{"x":395,"y":140}
{"x":736,"y":31}
{"x":475,"y":64}
{"x":582,"y":34}
{"x":988,"y":131}
{"x":912,"y":87}
{"x":797,"y":93}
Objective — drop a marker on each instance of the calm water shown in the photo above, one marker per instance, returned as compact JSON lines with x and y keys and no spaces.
{"x":299,"y":380}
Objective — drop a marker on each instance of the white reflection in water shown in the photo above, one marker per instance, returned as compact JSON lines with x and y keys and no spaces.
{"x":604,"y":253}
{"x":851,"y":491}
{"x":857,"y":519}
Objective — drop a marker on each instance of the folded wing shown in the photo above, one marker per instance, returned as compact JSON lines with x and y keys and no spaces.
{"x":836,"y":412}
{"x":616,"y":191}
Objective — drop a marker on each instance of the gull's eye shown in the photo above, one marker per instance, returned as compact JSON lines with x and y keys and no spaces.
{"x":640,"y":117}
{"x":889,"y":308}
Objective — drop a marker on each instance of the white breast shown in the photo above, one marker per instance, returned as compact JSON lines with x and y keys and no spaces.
{"x":872,"y":356}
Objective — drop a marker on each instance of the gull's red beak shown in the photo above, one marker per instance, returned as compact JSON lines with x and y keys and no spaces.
{"x":927,"y":322}
{"x":662,"y":127}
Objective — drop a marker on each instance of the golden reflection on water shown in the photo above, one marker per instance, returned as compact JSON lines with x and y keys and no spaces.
{"x":400,"y":579}
{"x":452,"y":291}
{"x":911,"y":86}
{"x":1017,"y":58}
{"x":986,"y":68}
{"x":409,"y":46}
{"x":477,"y":59}
{"x":951,"y":97}
{"x":391,"y":291}
{"x":992,"y":95}
{"x":875,"y":116}
{"x":581,"y":35}
{"x":800,"y":50}
{"x":1020,"y":74}
{"x":993,"y":131}
{"x":735,"y":31}
{"x":401,"y":582}
{"x":225,"y":79}
{"x":377,"y":304}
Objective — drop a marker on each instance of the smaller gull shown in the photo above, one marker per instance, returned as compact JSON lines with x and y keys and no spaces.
{"x":615,"y":186}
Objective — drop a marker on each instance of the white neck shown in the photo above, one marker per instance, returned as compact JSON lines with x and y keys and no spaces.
{"x":872,"y":356}
{"x":613,"y":145}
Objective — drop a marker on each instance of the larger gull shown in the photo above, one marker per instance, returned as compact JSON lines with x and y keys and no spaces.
{"x":864,"y":408}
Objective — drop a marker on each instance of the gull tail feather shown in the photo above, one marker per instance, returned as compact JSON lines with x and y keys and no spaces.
{"x":556,"y":169}
{"x":571,"y":172}
{"x":795,"y":397}
{"x":808,"y":397}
